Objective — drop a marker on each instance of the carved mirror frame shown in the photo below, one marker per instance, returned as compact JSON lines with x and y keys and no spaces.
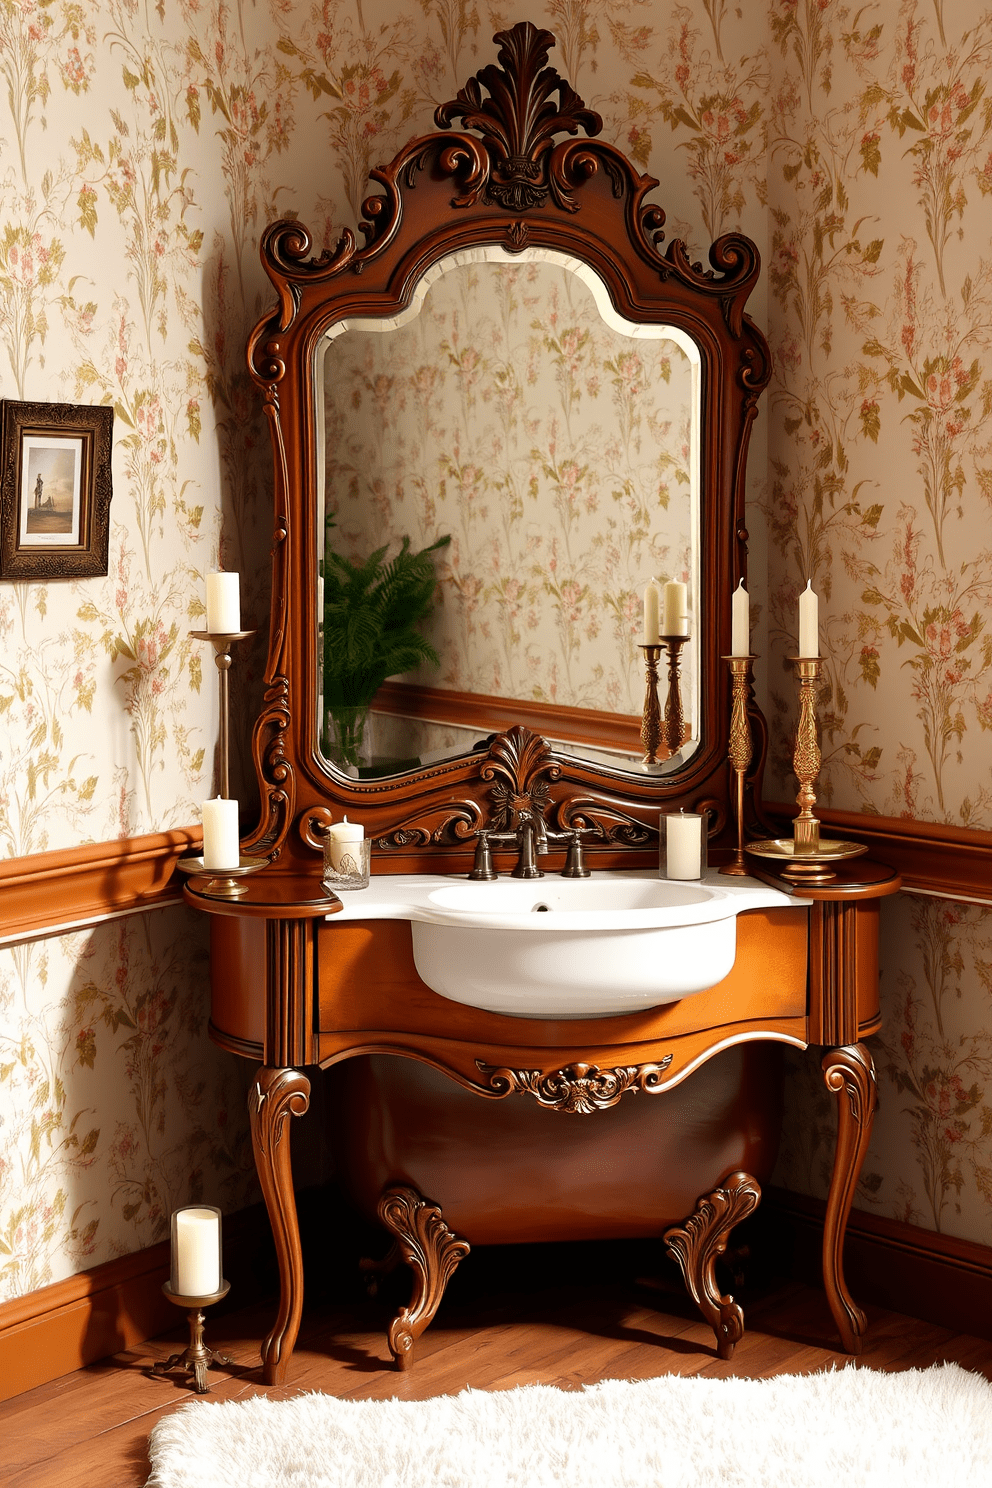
{"x":514,"y":183}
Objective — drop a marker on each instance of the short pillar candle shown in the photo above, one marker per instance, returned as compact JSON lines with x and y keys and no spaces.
{"x":196,"y":1251}
{"x":683,"y":844}
{"x":221,"y":845}
{"x":341,"y":839}
{"x":224,"y":603}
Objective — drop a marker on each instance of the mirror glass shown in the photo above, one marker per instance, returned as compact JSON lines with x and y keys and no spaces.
{"x":512,"y":411}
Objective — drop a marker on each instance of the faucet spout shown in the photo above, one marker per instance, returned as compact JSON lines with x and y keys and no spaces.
{"x":532,"y":839}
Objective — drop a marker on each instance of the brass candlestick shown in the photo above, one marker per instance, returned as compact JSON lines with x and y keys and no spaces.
{"x":806,"y":755}
{"x":222,"y":648}
{"x":674,"y":720}
{"x":651,"y":715}
{"x":739,"y":751}
{"x":808,"y":858}
{"x":197,"y":1358}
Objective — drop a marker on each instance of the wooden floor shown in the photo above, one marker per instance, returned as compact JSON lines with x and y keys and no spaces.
{"x":542,"y":1320}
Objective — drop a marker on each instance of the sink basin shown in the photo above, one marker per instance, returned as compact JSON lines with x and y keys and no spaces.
{"x":552,"y":947}
{"x":575,"y":948}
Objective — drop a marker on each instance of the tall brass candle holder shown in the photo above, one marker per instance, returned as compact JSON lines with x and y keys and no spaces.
{"x":651,"y":714}
{"x":197,"y":1358}
{"x":739,"y":751}
{"x":222,"y":883}
{"x":222,"y":656}
{"x":808,"y":857}
{"x":674,"y":720}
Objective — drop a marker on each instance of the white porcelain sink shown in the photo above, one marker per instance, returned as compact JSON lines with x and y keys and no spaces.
{"x":567,"y":948}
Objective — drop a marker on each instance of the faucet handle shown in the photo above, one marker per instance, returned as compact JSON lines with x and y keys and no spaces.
{"x":575,"y":863}
{"x":482,"y":868}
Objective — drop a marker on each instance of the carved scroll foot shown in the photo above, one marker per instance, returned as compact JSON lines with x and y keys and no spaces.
{"x":696,"y":1244}
{"x":850,"y":1073}
{"x":276,"y":1095}
{"x":431,"y":1251}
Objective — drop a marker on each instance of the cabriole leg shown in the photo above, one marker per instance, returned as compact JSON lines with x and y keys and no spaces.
{"x":431,"y":1251}
{"x":276,"y":1095}
{"x":698,"y":1242}
{"x":850,"y":1073}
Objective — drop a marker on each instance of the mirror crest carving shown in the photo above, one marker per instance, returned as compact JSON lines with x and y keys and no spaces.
{"x":506,"y":180}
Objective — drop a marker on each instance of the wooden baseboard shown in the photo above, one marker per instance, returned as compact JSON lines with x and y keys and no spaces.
{"x":894,"y":1265}
{"x":118,"y":1305}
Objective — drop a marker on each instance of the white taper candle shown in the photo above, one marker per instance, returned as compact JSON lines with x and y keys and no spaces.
{"x":740,"y":628}
{"x":809,"y":629}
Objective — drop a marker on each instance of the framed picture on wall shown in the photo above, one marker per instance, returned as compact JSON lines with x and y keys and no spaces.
{"x":55,"y":490}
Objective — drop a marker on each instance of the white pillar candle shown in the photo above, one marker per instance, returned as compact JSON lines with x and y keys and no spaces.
{"x":740,"y":630}
{"x":223,"y":603}
{"x":341,"y":837}
{"x":684,"y":845}
{"x":652,"y":613}
{"x":221,"y":847}
{"x":196,"y":1256}
{"x":809,"y":637}
{"x":676,"y":609}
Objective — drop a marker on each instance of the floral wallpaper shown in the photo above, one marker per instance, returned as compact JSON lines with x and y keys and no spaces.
{"x":144,"y":148}
{"x":552,"y":447}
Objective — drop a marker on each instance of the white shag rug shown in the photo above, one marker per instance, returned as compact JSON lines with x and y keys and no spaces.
{"x":928,"y":1428}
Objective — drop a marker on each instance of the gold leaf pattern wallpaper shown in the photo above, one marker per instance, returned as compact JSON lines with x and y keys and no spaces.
{"x":144,"y":149}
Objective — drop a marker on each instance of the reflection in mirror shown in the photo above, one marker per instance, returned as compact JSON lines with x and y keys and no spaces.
{"x":513,"y":410}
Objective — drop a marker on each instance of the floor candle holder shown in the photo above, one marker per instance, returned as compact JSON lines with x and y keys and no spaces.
{"x":197,"y":1358}
{"x":739,"y":752}
{"x":651,"y":714}
{"x":674,"y":719}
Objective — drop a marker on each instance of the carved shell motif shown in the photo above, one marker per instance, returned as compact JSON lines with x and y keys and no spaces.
{"x":520,"y":119}
{"x":520,"y":764}
{"x":577,"y":1089}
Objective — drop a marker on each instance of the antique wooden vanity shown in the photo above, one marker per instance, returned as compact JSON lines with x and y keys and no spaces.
{"x":462,"y":1124}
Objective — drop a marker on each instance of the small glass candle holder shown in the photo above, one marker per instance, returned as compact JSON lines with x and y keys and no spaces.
{"x":682,"y":845}
{"x":347,"y":864}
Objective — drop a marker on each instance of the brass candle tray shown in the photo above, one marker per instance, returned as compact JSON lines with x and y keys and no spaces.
{"x":805,"y":865}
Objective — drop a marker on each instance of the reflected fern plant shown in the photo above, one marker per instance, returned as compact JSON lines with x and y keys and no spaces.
{"x":371,"y":613}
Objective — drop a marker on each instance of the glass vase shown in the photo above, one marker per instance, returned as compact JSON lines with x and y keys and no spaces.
{"x":348,"y":736}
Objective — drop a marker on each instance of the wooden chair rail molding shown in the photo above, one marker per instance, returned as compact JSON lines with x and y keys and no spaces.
{"x":51,"y":891}
{"x":933,"y":859}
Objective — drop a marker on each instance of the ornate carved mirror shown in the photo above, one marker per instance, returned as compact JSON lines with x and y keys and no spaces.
{"x":513,"y":365}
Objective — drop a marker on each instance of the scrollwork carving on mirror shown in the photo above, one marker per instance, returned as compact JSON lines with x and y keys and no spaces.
{"x":506,"y":186}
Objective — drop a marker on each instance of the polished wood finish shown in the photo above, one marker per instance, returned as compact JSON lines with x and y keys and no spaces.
{"x":700,"y":1240}
{"x":333,"y":992}
{"x":890,"y":1263}
{"x":850,"y":1075}
{"x":929,"y":856}
{"x":76,"y":885}
{"x":276,"y":1095}
{"x":424,"y":1242}
{"x":444,"y":193}
{"x":512,"y":1171}
{"x":589,"y":1322}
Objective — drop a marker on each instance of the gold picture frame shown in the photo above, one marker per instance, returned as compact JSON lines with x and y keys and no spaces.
{"x":55,"y":490}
